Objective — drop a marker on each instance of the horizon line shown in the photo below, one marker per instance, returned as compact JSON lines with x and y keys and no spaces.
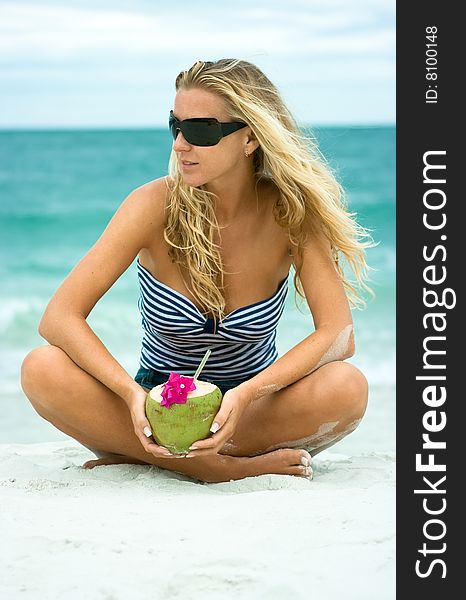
{"x":163,"y":127}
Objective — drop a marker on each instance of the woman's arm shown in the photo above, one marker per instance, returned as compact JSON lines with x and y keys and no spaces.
{"x":138,"y":220}
{"x":333,"y":335}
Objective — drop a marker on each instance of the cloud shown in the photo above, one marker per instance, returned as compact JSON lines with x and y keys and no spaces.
{"x":54,"y":34}
{"x":86,"y":46}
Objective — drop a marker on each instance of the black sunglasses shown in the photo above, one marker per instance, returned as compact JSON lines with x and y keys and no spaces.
{"x":202,"y":131}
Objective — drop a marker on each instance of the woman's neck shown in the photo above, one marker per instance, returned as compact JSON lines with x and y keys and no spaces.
{"x":234,"y":198}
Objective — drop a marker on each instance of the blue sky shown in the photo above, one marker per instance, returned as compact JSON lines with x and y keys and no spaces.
{"x":96,"y":63}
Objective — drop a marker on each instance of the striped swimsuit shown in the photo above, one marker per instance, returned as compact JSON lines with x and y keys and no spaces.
{"x":176,"y":334}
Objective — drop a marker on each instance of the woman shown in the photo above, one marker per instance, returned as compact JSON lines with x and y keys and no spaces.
{"x":246,"y":198}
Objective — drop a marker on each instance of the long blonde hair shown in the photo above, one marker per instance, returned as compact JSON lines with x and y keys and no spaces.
{"x":311,"y":199}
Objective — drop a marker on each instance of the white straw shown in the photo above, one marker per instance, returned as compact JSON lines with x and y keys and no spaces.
{"x":203,"y":362}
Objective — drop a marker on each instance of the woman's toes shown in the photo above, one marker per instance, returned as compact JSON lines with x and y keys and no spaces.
{"x":301,"y":471}
{"x":307,"y":472}
{"x":306,"y":458}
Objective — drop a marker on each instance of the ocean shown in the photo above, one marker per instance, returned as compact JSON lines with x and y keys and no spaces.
{"x":59,"y":189}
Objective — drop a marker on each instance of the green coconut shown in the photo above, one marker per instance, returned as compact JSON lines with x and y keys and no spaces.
{"x":180,"y":425}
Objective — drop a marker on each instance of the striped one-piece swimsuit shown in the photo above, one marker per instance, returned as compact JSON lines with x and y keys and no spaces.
{"x":176,"y":335}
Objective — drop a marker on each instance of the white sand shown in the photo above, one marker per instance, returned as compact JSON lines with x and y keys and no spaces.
{"x":125,"y":532}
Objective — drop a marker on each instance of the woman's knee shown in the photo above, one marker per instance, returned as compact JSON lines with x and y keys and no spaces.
{"x":348,"y":388}
{"x":353,"y":389}
{"x":39,"y":366}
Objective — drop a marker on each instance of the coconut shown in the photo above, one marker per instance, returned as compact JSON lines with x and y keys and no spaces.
{"x":180,"y":425}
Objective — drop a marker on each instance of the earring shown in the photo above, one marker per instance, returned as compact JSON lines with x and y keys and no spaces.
{"x":246,"y":154}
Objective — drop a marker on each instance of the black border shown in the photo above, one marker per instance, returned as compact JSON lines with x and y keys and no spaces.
{"x":423,"y":127}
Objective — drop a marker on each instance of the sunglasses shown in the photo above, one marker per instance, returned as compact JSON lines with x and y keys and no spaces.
{"x":202,"y":131}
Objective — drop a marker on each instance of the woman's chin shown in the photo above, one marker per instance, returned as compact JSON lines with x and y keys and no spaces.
{"x":192,"y":180}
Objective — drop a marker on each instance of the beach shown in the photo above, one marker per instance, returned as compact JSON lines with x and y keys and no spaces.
{"x":134,"y":531}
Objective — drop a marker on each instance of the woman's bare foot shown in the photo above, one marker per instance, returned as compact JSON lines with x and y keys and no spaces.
{"x":112,"y":459}
{"x":285,"y":461}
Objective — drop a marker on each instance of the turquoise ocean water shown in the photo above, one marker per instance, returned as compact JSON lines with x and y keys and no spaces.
{"x":59,"y":189}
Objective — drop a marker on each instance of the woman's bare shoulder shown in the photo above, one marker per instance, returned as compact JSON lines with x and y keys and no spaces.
{"x":148,"y":204}
{"x":137,"y":221}
{"x":158,"y":185}
{"x":154,"y":191}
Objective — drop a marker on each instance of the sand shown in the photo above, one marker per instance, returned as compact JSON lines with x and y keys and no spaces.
{"x":139,"y":532}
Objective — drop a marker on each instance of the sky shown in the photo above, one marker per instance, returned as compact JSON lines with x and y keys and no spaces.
{"x":113,"y":63}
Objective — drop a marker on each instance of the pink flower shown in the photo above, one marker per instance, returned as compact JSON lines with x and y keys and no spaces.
{"x":175,"y":390}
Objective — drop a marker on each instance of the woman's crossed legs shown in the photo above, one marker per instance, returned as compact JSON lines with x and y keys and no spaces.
{"x":271,"y":437}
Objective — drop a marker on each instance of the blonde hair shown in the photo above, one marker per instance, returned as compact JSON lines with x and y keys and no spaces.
{"x":311,"y":199}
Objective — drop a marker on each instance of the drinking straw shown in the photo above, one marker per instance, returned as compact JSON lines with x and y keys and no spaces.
{"x":202,"y":364}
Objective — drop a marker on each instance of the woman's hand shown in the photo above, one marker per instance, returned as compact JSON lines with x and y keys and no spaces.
{"x":136,"y":405}
{"x":233,"y":405}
